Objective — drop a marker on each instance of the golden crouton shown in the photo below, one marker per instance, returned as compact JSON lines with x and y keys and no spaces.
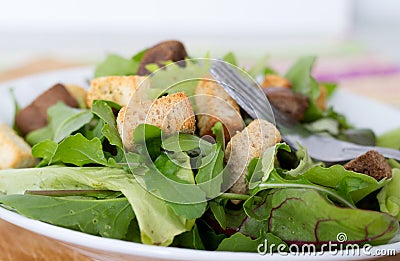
{"x":273,"y":80}
{"x":172,"y":113}
{"x":14,"y":151}
{"x":244,"y":146}
{"x":214,"y":104}
{"x":118,"y":89}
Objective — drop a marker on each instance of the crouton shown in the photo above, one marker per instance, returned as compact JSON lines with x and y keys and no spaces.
{"x":273,"y":80}
{"x":78,"y":92}
{"x":14,"y":151}
{"x":172,"y":113}
{"x":286,"y":101}
{"x":244,"y":146}
{"x":118,"y":89}
{"x":213,"y":104}
{"x":165,"y":51}
{"x":372,"y":164}
{"x":321,"y":100}
{"x":34,"y":116}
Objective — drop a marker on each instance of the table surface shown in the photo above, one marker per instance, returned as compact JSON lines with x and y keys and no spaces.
{"x":19,"y":244}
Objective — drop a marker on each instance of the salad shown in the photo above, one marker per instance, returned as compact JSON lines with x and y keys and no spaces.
{"x":156,"y":152}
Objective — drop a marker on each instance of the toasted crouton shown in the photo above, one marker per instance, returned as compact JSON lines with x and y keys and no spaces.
{"x":273,"y":80}
{"x":213,"y":104}
{"x":172,"y":113}
{"x":372,"y":164}
{"x":118,"y":89}
{"x":246,"y":145}
{"x":14,"y":151}
{"x":286,"y":101}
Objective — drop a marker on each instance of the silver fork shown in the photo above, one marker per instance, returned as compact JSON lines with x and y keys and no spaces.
{"x":321,"y":148}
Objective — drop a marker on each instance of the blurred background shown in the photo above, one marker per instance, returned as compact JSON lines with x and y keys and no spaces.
{"x":353,"y":38}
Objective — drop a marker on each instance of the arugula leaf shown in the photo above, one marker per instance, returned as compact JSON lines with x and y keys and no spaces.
{"x":300,"y":77}
{"x":80,"y":151}
{"x":75,"y":149}
{"x":260,"y":170}
{"x":230,"y":58}
{"x":305,"y":163}
{"x":157,"y":221}
{"x":174,"y":78}
{"x":324,"y":220}
{"x":239,"y":243}
{"x":107,"y":217}
{"x":389,"y":196}
{"x":116,"y":65}
{"x":218,"y":131}
{"x":109,"y":130}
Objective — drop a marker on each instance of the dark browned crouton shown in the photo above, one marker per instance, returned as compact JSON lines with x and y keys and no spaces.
{"x":34,"y":116}
{"x":285,"y":100}
{"x":162,"y":52}
{"x":372,"y":164}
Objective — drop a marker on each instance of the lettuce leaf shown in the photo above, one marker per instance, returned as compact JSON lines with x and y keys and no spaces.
{"x":106,"y":217}
{"x":157,"y":221}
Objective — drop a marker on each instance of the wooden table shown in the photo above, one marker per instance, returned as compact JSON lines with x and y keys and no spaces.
{"x":19,"y":244}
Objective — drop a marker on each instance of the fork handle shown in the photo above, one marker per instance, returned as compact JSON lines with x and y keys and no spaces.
{"x":388,"y":153}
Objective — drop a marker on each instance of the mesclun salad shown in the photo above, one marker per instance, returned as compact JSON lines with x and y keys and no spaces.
{"x":166,"y":157}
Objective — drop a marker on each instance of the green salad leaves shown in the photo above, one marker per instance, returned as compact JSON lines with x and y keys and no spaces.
{"x":170,"y":189}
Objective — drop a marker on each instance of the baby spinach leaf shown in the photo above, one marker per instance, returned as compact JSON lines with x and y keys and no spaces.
{"x":115,"y":65}
{"x":323,"y":221}
{"x":389,"y":196}
{"x":217,"y":207}
{"x":239,"y":243}
{"x":185,"y":142}
{"x":357,"y":185}
{"x":109,"y":130}
{"x":107,"y":217}
{"x":300,"y":77}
